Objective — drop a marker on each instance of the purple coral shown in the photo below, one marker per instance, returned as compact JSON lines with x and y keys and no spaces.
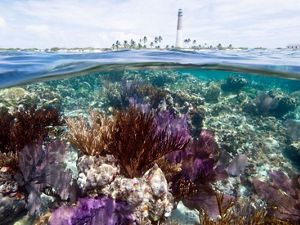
{"x":92,"y":211}
{"x":42,"y":167}
{"x":199,"y":158}
{"x":281,"y":194}
{"x":199,"y":166}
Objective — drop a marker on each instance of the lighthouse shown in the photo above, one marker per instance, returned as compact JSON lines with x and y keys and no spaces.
{"x":179,"y":43}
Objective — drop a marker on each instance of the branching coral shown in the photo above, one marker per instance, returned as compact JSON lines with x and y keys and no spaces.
{"x":91,"y":137}
{"x":9,"y":160}
{"x":228,"y":215}
{"x":138,"y":141}
{"x":25,"y":126}
{"x":91,"y":211}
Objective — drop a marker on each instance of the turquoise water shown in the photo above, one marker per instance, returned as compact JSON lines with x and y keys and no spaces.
{"x":88,"y":138}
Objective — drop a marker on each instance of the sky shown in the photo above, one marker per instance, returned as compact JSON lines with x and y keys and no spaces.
{"x":99,"y":23}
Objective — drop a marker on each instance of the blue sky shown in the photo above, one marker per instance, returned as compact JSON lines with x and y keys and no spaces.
{"x":98,"y":23}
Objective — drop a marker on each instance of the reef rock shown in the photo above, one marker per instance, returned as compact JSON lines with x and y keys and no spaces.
{"x":212,"y":94}
{"x":95,"y":171}
{"x":274,"y":103}
{"x":10,"y":208}
{"x":149,"y":194}
{"x":293,"y":153}
{"x":234,"y":84}
{"x":13,"y":97}
{"x":7,"y":183}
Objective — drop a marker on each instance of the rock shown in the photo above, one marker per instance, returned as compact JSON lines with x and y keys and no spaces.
{"x":157,"y":181}
{"x":274,"y":103}
{"x":212,"y":94}
{"x":184,"y":215}
{"x":13,"y":97}
{"x":234,"y":84}
{"x":11,"y":208}
{"x":292,"y":152}
{"x":149,"y":194}
{"x":95,"y":172}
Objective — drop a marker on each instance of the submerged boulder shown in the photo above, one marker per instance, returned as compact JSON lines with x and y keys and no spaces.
{"x":274,"y":103}
{"x":234,"y":84}
{"x":212,"y":94}
{"x":11,"y":208}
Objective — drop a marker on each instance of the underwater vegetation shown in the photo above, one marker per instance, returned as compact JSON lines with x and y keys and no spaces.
{"x":137,"y":144}
{"x":141,"y":138}
{"x":281,"y":195}
{"x":91,"y":137}
{"x":230,"y":214}
{"x":25,"y":126}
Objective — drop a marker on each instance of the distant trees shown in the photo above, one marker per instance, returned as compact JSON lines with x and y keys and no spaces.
{"x":157,"y":43}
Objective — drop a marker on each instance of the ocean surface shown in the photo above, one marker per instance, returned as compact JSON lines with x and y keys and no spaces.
{"x":150,"y":137}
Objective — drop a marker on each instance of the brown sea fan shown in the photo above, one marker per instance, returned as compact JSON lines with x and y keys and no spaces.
{"x":138,"y":142}
{"x":9,"y":160}
{"x":26,"y":126}
{"x":90,"y":137}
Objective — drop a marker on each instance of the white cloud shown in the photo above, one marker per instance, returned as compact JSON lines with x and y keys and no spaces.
{"x":2,"y":22}
{"x":99,"y":23}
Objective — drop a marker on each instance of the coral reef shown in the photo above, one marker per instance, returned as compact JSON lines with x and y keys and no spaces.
{"x":11,"y":208}
{"x":9,"y":161}
{"x":272,"y":103}
{"x":13,"y":97}
{"x":91,"y":137}
{"x":140,"y":139}
{"x":93,"y":211}
{"x":148,"y":195}
{"x":213,"y":92}
{"x":229,"y":214}
{"x":163,"y":139}
{"x":42,"y":168}
{"x":25,"y":126}
{"x":234,"y":84}
{"x":281,"y":195}
{"x":95,"y":172}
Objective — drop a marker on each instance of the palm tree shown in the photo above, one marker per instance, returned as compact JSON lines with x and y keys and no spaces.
{"x":189,"y":41}
{"x":160,"y":38}
{"x":145,"y":41}
{"x":125,"y":43}
{"x":113,"y":46}
{"x":230,"y":46}
{"x":219,"y":46}
{"x":167,"y":46}
{"x":132,"y":43}
{"x":151,"y":44}
{"x":156,"y":40}
{"x":118,"y":44}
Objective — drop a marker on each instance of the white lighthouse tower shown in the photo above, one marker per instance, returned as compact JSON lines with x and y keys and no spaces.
{"x":179,"y":41}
